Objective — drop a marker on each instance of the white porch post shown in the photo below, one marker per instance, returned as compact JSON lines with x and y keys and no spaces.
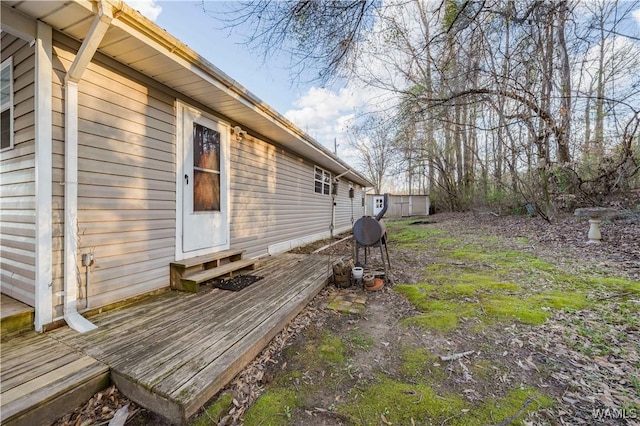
{"x":43,"y":120}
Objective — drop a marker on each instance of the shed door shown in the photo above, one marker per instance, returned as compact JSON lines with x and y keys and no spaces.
{"x":205,"y":219}
{"x":378,"y":204}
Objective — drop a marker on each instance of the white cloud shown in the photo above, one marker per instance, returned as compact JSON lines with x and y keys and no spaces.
{"x":636,"y":15}
{"x":375,"y":83}
{"x":621,"y":59}
{"x":148,"y":8}
{"x":325,"y":114}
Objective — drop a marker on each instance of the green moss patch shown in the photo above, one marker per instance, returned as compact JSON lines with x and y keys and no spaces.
{"x":319,"y":351}
{"x":214,"y":413}
{"x":274,"y":407}
{"x":331,"y":350}
{"x":518,"y":401}
{"x":465,"y":283}
{"x":560,"y":300}
{"x":492,"y":284}
{"x":508,"y":260}
{"x":612,"y":284}
{"x":389,"y":401}
{"x":441,"y":321}
{"x":420,"y":364}
{"x":359,"y":341}
{"x":514,"y":307}
{"x":480,"y":296}
{"x":414,"y":236}
{"x":447,"y":242}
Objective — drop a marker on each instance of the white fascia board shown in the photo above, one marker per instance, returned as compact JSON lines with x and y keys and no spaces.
{"x":44,"y":155}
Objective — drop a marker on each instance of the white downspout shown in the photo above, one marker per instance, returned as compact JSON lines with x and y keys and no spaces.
{"x":88,"y":48}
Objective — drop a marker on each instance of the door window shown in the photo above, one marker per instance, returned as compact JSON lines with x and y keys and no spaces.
{"x":206,"y":169}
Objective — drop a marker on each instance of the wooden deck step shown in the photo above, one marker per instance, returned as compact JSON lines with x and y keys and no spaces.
{"x":15,"y":316}
{"x":43,"y":379}
{"x":191,"y":282}
{"x":187,"y":267}
{"x":210,"y":258}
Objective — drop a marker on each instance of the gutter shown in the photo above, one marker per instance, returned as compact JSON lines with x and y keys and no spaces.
{"x":88,"y":48}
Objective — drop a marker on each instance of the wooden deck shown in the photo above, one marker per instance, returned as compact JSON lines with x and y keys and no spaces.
{"x":173,"y":352}
{"x":15,"y":317}
{"x":42,"y":379}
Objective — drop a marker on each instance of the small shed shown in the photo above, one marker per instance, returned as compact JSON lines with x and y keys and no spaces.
{"x":399,"y":205}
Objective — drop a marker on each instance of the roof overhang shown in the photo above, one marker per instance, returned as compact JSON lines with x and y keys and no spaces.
{"x":143,"y":46}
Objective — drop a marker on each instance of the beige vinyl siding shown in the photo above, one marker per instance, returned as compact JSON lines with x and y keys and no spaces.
{"x":126,"y":180}
{"x":17,"y":180}
{"x":273,"y":198}
{"x":127,"y":184}
{"x":348,"y":210}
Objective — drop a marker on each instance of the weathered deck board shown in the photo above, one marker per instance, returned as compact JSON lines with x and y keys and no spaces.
{"x":34,"y":367}
{"x":112,"y":338}
{"x":169,"y":354}
{"x":42,"y":379}
{"x":15,"y":316}
{"x":10,"y":307}
{"x":175,"y":351}
{"x":240,"y":323}
{"x":203,"y":386}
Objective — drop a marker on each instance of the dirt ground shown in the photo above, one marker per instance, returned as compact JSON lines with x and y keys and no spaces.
{"x":475,"y":367}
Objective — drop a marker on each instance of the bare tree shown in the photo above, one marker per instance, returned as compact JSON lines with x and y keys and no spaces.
{"x":486,"y":91}
{"x":319,"y":35}
{"x":374,"y":144}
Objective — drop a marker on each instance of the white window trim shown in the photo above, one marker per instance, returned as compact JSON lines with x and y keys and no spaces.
{"x":323,"y":181}
{"x":8,"y":105}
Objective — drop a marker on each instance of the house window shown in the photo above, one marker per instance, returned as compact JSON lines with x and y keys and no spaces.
{"x":322,"y":181}
{"x":6,"y":109}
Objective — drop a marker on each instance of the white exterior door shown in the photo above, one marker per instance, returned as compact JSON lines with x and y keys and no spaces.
{"x":378,"y":204}
{"x":205,"y":183}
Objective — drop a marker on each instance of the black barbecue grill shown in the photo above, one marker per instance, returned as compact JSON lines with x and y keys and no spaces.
{"x":372,"y":232}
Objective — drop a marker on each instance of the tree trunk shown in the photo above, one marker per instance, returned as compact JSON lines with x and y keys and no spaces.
{"x":564,"y":154}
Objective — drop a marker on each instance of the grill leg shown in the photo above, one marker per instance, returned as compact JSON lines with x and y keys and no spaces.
{"x":384,"y":264}
{"x":386,"y":249}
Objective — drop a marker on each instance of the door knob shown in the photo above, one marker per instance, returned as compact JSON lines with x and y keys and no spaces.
{"x":187,"y":178}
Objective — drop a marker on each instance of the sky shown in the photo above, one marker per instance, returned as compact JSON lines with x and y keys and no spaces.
{"x":322,"y":113}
